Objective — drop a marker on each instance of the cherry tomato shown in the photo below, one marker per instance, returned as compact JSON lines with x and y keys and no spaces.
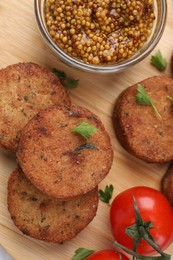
{"x":107,"y":254}
{"x":153,"y":206}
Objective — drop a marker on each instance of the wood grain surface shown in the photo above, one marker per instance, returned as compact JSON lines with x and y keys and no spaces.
{"x":20,"y":41}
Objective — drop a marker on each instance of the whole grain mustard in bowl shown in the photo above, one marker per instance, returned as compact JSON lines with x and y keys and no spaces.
{"x":101,"y":35}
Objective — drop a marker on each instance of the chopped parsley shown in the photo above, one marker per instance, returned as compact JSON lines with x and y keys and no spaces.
{"x":158,"y":61}
{"x":142,"y":98}
{"x":84,"y":129}
{"x":106,"y":195}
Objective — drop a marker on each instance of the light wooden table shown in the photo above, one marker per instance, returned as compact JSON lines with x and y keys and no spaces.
{"x":20,"y":41}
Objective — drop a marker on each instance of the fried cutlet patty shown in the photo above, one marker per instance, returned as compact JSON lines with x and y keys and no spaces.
{"x":60,"y":162}
{"x":138,"y":127}
{"x":167,"y":184}
{"x":25,"y":88}
{"x":46,"y":218}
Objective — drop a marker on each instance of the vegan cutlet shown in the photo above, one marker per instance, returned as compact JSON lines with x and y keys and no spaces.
{"x":167,"y":184}
{"x":25,"y":88}
{"x":138,"y":127}
{"x":46,"y":218}
{"x":60,"y":162}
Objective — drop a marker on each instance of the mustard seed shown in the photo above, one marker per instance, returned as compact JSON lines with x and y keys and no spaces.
{"x":100,"y":32}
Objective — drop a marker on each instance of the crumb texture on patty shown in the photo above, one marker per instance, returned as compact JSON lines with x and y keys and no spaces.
{"x":25,"y":88}
{"x":45,"y":218}
{"x":57,"y":160}
{"x":138,"y":128}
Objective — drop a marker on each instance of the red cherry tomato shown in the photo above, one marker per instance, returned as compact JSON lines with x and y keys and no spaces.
{"x":107,"y":254}
{"x":153,"y":206}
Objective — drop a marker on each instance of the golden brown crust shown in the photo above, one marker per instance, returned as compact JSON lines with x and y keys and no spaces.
{"x":50,"y":155}
{"x":138,"y":128}
{"x":167,"y":184}
{"x":46,"y":218}
{"x":25,"y":88}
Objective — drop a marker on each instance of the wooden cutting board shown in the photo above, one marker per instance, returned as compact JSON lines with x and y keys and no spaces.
{"x":20,"y":41}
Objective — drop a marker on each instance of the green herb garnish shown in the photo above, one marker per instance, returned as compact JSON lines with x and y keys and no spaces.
{"x":142,"y":98}
{"x":158,"y":61}
{"x":106,"y":195}
{"x":66,"y":82}
{"x":171,"y":99}
{"x":82,"y":253}
{"x":85,"y":129}
{"x":85,"y":146}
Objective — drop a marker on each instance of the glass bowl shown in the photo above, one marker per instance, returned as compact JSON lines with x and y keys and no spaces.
{"x":160,"y":9}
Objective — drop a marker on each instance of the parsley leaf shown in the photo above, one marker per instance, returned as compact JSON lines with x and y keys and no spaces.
{"x":60,"y":74}
{"x":85,"y":129}
{"x":82,"y":253}
{"x":142,"y":98}
{"x":106,"y":195}
{"x":171,"y":99}
{"x":66,"y":82}
{"x":158,"y":61}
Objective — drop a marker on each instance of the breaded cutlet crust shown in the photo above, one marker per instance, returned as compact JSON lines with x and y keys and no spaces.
{"x":167,"y":184}
{"x":45,"y":218}
{"x":138,"y":128}
{"x":57,"y":160}
{"x":25,"y":88}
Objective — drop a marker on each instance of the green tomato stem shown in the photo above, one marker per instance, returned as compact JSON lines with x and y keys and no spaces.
{"x":139,"y":231}
{"x":141,"y":257}
{"x":145,"y":236}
